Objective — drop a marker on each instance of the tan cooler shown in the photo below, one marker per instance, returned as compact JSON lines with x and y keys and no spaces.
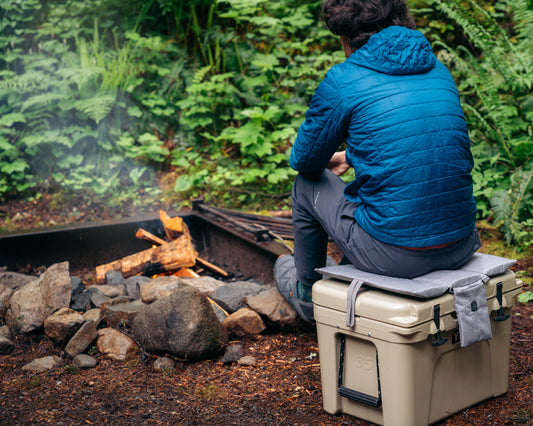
{"x":402,"y":362}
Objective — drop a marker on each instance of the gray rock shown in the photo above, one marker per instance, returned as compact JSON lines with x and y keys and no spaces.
{"x":43,"y":364}
{"x":219,"y":312}
{"x":135,"y":284}
{"x":205,"y":285}
{"x":233,"y":354}
{"x":115,"y":278}
{"x":271,"y":304}
{"x":81,"y":301}
{"x":111,"y":291}
{"x":84,"y":361}
{"x":14,"y":280}
{"x":33,"y":303}
{"x":5,"y":332}
{"x":182,"y":324}
{"x":86,"y":335}
{"x":164,"y":365}
{"x":231,"y":296}
{"x":6,"y":345}
{"x":247,"y":360}
{"x":62,"y":324}
{"x":9,"y":283}
{"x":244,"y":322}
{"x":96,"y":297}
{"x":77,"y":286}
{"x":92,"y":297}
{"x":116,"y":345}
{"x":160,"y":287}
{"x":121,"y":311}
{"x":5,"y":297}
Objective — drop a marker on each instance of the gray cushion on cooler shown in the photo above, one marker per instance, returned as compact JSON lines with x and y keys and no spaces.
{"x":488,"y":264}
{"x":480,"y":267}
{"x":474,"y":274}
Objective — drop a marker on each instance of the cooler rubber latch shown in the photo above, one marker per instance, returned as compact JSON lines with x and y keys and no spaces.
{"x":499,"y":296}
{"x":353,"y":394}
{"x":439,"y":340}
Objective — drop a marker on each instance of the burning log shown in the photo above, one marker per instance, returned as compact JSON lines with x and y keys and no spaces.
{"x":173,"y":226}
{"x":177,"y":254}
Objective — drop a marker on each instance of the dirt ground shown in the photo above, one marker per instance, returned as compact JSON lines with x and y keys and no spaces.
{"x":283,"y":388}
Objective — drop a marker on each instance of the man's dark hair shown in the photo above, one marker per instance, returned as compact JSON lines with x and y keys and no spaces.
{"x":360,"y":19}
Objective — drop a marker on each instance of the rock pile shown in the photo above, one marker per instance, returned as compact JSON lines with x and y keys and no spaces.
{"x":124,"y":319}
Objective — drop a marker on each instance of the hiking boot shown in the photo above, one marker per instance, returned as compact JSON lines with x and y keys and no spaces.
{"x":285,"y":276}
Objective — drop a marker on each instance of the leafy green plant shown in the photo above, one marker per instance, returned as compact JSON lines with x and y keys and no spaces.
{"x":508,"y":206}
{"x":72,"y":369}
{"x":248,"y":103}
{"x":71,"y":107}
{"x":525,"y":297}
{"x":35,"y":381}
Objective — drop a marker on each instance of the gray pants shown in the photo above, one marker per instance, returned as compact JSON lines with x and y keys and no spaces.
{"x":319,"y":209}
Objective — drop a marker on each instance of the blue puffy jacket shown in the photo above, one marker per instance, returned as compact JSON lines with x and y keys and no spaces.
{"x":397,"y":108}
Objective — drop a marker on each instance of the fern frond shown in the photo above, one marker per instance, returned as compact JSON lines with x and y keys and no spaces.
{"x":42,"y":99}
{"x":524,"y":19}
{"x":96,"y":107}
{"x":80,"y":75}
{"x":200,"y":74}
{"x":30,"y":80}
{"x":507,"y":205}
{"x":487,"y":35}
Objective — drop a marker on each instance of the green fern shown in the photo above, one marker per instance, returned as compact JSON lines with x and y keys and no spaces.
{"x":200,"y":74}
{"x":42,"y":100}
{"x":507,"y":206}
{"x":98,"y":106}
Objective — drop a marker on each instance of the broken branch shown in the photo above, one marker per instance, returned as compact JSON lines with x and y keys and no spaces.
{"x":142,"y":234}
{"x":211,"y":267}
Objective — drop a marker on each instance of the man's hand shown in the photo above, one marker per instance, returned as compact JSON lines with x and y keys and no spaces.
{"x":337,"y":164}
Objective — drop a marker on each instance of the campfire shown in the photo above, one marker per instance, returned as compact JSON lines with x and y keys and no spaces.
{"x":173,"y":257}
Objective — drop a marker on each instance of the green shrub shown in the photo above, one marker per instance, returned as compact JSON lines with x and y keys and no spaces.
{"x":248,"y":100}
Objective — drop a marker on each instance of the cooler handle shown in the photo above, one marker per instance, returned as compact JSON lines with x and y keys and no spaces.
{"x":499,"y":296}
{"x":439,"y":340}
{"x":354,"y":395}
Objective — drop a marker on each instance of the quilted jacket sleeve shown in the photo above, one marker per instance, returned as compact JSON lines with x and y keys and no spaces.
{"x":323,"y":130}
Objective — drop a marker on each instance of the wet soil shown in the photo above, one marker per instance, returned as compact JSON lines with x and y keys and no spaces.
{"x":283,"y":388}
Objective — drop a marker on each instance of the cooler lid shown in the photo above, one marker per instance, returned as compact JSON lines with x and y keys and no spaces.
{"x":398,"y":309}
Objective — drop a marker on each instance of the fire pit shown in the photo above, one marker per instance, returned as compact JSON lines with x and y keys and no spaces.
{"x":140,"y":286}
{"x":236,"y":242}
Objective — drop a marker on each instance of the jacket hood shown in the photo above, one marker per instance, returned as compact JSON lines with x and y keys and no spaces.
{"x":396,"y":51}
